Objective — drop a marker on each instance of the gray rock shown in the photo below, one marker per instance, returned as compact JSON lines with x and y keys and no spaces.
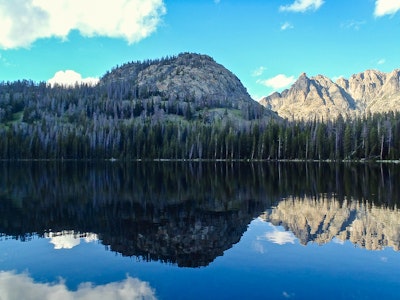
{"x":187,"y":78}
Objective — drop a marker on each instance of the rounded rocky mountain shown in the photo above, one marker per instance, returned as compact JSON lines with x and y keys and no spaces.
{"x":189,"y":78}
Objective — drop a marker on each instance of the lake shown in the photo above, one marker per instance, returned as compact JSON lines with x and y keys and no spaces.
{"x":191,"y":230}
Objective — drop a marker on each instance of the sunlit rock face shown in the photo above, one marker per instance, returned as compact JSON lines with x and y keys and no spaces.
{"x":319,"y":97}
{"x":187,"y":78}
{"x":321,"y":219}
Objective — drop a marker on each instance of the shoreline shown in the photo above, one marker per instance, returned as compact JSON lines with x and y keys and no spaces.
{"x":345,"y":161}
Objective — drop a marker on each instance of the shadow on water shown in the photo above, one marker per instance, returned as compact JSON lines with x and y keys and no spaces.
{"x":190,"y":213}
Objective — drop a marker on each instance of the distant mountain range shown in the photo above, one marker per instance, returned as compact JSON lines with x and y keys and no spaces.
{"x":321,"y":98}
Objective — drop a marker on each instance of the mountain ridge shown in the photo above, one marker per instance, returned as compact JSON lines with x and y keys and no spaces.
{"x":319,"y":97}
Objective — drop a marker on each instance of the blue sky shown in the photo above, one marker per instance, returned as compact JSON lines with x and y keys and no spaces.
{"x":267,"y":44}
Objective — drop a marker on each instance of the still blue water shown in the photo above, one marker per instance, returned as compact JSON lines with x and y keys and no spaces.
{"x":320,"y":246}
{"x":253,"y":268}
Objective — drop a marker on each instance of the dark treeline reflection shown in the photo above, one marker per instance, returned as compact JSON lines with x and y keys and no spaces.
{"x":176,"y":212}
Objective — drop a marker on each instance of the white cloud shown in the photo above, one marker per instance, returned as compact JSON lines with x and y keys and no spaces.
{"x":386,"y":7}
{"x":302,"y":5}
{"x":258,"y":247}
{"x":70,"y":78}
{"x":69,"y":239}
{"x":64,"y":242}
{"x":277,"y":235}
{"x":381,"y":61}
{"x":258,"y":72}
{"x":338,"y":241}
{"x":280,"y":237}
{"x":286,"y":26}
{"x":24,"y":21}
{"x":355,"y":25}
{"x":21,"y":286}
{"x":335,"y":78}
{"x":4,"y":61}
{"x":278,"y":82}
{"x":288,"y":295}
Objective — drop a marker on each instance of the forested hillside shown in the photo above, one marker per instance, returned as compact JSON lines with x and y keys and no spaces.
{"x":184,"y":107}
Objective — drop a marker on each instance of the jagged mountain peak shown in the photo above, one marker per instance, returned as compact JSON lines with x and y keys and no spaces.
{"x":302,"y":83}
{"x":319,"y":97}
{"x":370,"y":74}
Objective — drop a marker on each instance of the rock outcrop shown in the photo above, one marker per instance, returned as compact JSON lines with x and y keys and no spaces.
{"x":320,"y":98}
{"x":188,"y":78}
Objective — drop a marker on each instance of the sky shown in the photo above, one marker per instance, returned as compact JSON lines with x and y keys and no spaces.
{"x":267,"y":44}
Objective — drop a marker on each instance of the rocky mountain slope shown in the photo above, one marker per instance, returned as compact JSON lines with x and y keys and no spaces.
{"x":320,"y":98}
{"x":187,"y":79}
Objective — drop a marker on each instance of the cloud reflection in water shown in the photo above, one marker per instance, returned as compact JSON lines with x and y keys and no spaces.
{"x":69,"y":239}
{"x":278,"y":236}
{"x":21,"y":286}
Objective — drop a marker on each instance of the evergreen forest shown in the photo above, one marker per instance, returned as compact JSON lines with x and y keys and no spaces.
{"x":38,"y":121}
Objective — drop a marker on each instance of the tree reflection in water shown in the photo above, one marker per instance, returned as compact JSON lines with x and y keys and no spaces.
{"x":190,"y":213}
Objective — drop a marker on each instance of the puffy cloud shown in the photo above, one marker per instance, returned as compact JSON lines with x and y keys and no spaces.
{"x":21,"y":286}
{"x":70,"y":78}
{"x":280,"y":237}
{"x":69,"y":239}
{"x":258,"y":72}
{"x":278,"y":82}
{"x":386,"y":7}
{"x":286,"y":26}
{"x":302,"y":5}
{"x":277,"y":235}
{"x":24,"y":21}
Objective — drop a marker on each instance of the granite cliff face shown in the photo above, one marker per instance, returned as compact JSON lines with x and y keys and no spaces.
{"x":187,"y":76}
{"x":187,"y":79}
{"x":320,"y":220}
{"x":320,"y":98}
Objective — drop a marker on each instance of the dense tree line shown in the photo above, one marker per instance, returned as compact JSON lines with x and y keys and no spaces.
{"x":42,"y":122}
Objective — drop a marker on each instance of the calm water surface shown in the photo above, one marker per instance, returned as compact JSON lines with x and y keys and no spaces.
{"x":199,"y":231}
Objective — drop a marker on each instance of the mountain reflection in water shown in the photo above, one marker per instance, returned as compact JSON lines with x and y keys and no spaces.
{"x":190,"y":213}
{"x":322,"y":219}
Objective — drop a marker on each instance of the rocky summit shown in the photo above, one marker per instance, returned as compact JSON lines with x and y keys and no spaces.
{"x":321,"y":98}
{"x":188,"y":78}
